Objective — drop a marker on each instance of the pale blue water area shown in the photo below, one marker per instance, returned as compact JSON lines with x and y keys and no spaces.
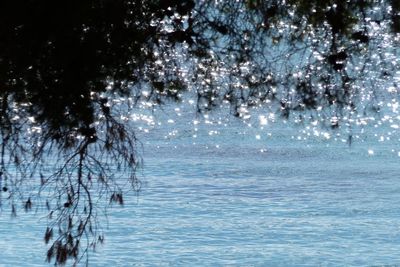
{"x":244,"y":196}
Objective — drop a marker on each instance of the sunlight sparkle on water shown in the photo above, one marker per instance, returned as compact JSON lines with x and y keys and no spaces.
{"x":263,"y":120}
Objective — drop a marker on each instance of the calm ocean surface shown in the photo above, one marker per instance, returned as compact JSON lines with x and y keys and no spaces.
{"x":234,"y":195}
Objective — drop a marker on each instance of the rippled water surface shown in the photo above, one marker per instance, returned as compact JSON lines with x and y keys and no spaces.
{"x":242,"y":196}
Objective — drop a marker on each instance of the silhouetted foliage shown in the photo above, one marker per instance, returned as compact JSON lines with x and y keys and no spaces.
{"x":70,"y":71}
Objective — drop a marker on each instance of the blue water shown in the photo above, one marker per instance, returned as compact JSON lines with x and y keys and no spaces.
{"x":244,"y":196}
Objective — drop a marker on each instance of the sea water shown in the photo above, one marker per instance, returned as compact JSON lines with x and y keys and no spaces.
{"x":225,"y":192}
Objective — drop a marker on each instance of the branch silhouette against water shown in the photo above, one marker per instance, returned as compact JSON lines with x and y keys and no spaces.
{"x":71,"y":72}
